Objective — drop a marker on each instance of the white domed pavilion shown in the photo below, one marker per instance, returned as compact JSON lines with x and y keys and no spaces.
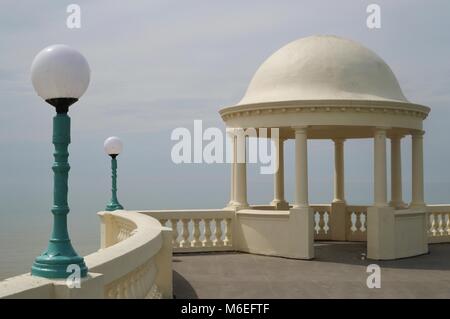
{"x":327,"y":87}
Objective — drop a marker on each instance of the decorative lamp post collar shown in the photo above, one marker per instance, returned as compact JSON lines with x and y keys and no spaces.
{"x":113,"y":147}
{"x":60,"y":75}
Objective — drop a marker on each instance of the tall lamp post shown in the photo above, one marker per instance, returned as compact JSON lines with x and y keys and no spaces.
{"x":60,"y":75}
{"x":113,"y":147}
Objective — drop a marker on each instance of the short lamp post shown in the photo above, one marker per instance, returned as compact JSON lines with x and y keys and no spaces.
{"x":60,"y":75}
{"x":113,"y":147}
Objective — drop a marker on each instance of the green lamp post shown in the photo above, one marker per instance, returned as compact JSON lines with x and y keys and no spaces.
{"x":60,"y":75}
{"x":113,"y":147}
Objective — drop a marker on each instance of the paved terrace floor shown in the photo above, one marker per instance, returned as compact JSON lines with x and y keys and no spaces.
{"x":337,"y":272}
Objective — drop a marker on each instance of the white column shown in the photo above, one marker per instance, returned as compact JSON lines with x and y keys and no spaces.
{"x":380,"y":174}
{"x":339,"y":193}
{"x":232,"y":138}
{"x":396,"y":172}
{"x":278,"y":199}
{"x":301,"y":167}
{"x":417,"y":170}
{"x":240,"y":187}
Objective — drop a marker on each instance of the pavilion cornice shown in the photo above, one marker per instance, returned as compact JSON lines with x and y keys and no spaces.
{"x":326,"y":106}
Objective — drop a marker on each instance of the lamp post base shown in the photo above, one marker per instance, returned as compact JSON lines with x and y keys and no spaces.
{"x":112,"y":207}
{"x":55,"y":261}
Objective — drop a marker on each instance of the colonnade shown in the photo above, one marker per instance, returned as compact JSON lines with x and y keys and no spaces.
{"x":238,"y":191}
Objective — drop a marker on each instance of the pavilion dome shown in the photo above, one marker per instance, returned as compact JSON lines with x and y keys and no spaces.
{"x":323,"y":67}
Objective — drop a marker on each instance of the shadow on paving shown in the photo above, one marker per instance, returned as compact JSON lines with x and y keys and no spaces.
{"x":351,"y":253}
{"x":182,"y":285}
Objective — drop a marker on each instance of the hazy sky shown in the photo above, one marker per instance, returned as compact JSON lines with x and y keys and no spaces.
{"x":157,"y":65}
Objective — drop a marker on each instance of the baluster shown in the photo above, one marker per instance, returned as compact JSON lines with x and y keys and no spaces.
{"x":185,"y":243}
{"x":174,"y":224}
{"x":321,"y":222}
{"x":126,"y":288}
{"x":358,"y":221}
{"x":119,"y":290}
{"x":111,"y":293}
{"x":120,"y":235}
{"x":317,"y":222}
{"x":353,"y":218}
{"x":326,"y":220}
{"x":229,"y":233}
{"x":145,"y":283}
{"x":207,"y":242}
{"x":440,"y":228}
{"x":432,"y":229}
{"x":447,"y":224}
{"x":132,"y":286}
{"x":196,"y":235}
{"x":137,"y":284}
{"x":362,"y":218}
{"x":218,"y":242}
{"x":428,"y":221}
{"x":436,"y":224}
{"x":163,"y":222}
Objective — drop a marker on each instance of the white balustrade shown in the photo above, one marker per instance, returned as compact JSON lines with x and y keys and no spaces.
{"x":322,"y":224}
{"x":438,"y":223}
{"x":200,"y":230}
{"x":356,"y":223}
{"x":207,"y":242}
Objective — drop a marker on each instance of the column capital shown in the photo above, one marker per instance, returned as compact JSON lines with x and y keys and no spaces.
{"x":380,"y":132}
{"x":418,"y":134}
{"x":338,"y":140}
{"x":300,"y":129}
{"x":230,"y":130}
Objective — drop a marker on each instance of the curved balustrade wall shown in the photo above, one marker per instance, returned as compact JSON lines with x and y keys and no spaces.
{"x":135,"y":261}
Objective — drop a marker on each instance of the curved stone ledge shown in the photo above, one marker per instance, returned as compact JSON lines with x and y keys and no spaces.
{"x":134,"y":262}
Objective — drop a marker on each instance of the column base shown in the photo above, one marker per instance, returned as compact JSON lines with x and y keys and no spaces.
{"x":237,"y":206}
{"x":230,"y":204}
{"x":398,"y":205}
{"x":280,"y":204}
{"x":417,"y":205}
